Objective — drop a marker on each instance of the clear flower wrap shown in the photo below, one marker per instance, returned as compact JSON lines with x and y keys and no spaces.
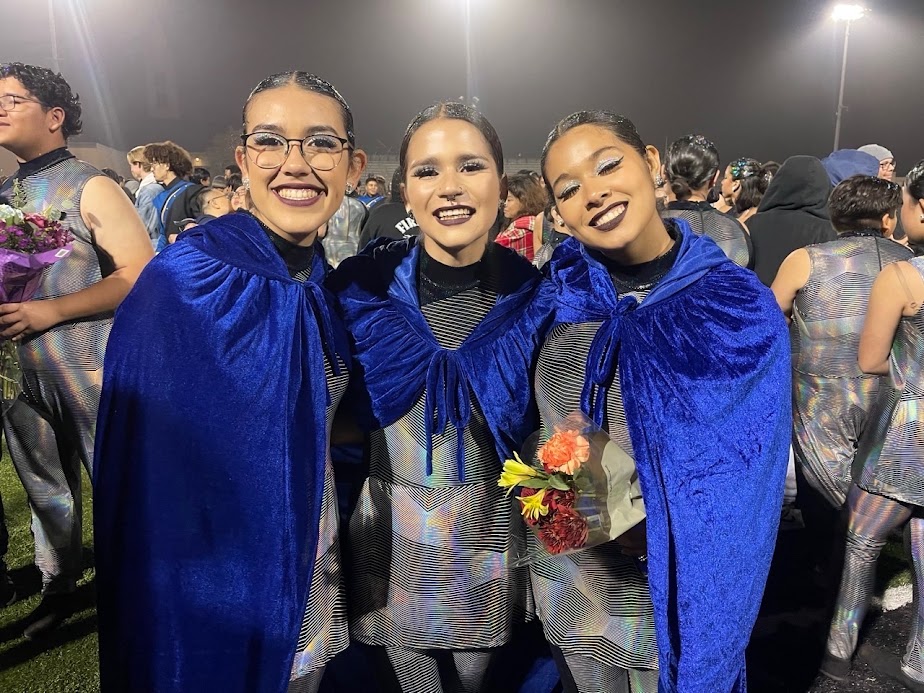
{"x":578,"y":489}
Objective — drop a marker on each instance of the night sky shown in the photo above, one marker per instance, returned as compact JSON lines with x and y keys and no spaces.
{"x":758,"y":77}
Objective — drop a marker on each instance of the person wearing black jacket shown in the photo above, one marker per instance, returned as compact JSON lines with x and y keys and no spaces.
{"x":389,"y":219}
{"x":792,"y":215}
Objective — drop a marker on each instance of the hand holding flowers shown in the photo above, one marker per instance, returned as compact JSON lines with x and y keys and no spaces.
{"x":582,"y":490}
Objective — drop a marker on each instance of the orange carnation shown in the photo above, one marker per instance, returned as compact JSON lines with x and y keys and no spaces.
{"x":564,"y":452}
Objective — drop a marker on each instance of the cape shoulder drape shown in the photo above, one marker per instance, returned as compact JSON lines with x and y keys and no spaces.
{"x":398,"y":358}
{"x":210,"y":456}
{"x":704,"y":367}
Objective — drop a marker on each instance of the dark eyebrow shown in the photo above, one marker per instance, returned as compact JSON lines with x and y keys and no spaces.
{"x":313,"y":130}
{"x":431,"y":161}
{"x":592,"y":156}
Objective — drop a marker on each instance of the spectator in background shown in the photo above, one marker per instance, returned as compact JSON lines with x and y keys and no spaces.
{"x":232,"y":170}
{"x":118,"y":180}
{"x":171,"y":165}
{"x":792,"y":214}
{"x":233,"y":182}
{"x":212,"y":202}
{"x":525,"y":208}
{"x":148,"y":189}
{"x":201,"y":176}
{"x":554,"y":232}
{"x":884,"y":157}
{"x":239,"y":198}
{"x":886,"y":172}
{"x":389,"y":219}
{"x":752,"y":191}
{"x":691,"y":167}
{"x":373,"y":193}
{"x":845,"y":163}
{"x":341,"y":237}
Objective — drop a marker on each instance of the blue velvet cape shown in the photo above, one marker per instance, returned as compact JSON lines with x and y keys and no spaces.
{"x":704,"y":368}
{"x":210,"y":455}
{"x":398,"y":358}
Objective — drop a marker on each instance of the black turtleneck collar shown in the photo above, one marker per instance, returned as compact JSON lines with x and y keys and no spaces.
{"x":701,"y":205}
{"x":643,"y":276}
{"x":42,"y":162}
{"x":298,"y":258}
{"x":436,"y":281}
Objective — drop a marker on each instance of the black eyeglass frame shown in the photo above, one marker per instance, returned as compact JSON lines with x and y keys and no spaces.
{"x":344,"y":143}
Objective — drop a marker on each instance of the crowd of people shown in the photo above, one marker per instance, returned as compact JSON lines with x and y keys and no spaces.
{"x":215,"y":349}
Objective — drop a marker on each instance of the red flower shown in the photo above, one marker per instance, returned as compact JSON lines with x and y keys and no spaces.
{"x":556,"y":499}
{"x":564,"y":529}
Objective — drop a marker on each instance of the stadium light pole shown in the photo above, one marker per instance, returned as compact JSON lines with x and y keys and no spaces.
{"x":847,"y":14}
{"x":468,"y":54}
{"x":55,"y":63}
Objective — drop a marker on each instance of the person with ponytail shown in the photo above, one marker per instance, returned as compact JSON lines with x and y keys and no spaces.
{"x":445,"y":329}
{"x":691,"y":168}
{"x":683,"y":358}
{"x":216,"y":525}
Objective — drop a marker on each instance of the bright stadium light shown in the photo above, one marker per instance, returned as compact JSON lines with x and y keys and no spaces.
{"x":848,"y":13}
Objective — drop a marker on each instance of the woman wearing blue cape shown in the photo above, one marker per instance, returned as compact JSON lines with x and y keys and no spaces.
{"x":445,"y":331}
{"x":215,"y":518}
{"x":683,"y":357}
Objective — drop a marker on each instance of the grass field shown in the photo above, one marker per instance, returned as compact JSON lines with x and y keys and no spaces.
{"x":66,"y":661}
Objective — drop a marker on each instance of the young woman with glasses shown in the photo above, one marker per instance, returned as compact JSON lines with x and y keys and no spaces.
{"x":216,"y":521}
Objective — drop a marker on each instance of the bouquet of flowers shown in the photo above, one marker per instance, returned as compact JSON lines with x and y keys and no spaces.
{"x":578,"y":490}
{"x":29,"y":242}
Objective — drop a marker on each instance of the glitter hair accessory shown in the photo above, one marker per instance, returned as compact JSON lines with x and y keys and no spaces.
{"x":744,"y":168}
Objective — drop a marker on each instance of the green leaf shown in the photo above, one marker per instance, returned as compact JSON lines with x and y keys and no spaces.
{"x":536,"y":483}
{"x":558,"y":482}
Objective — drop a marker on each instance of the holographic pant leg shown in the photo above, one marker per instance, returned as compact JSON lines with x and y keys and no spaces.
{"x":309,"y":683}
{"x":913,"y":661}
{"x":419,"y":671}
{"x":472,"y":668}
{"x":872,"y":518}
{"x":50,"y":430}
{"x":591,"y":676}
{"x":415,"y":671}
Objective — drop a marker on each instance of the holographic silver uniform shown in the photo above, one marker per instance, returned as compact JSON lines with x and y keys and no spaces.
{"x":728,"y":233}
{"x":51,"y":426}
{"x":325,"y":629}
{"x":892,"y":454}
{"x":888,"y":495}
{"x":831,"y":395}
{"x":594,"y":605}
{"x":431,"y":555}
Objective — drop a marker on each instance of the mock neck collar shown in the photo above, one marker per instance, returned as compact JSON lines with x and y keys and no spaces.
{"x":42,"y":162}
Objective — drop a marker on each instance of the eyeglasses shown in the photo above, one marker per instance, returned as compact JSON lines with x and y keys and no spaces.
{"x":214,"y":199}
{"x":887,"y":164}
{"x":9,"y":102}
{"x":269,"y":150}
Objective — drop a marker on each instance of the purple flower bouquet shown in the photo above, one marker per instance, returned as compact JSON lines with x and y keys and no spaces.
{"x":29,"y":243}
